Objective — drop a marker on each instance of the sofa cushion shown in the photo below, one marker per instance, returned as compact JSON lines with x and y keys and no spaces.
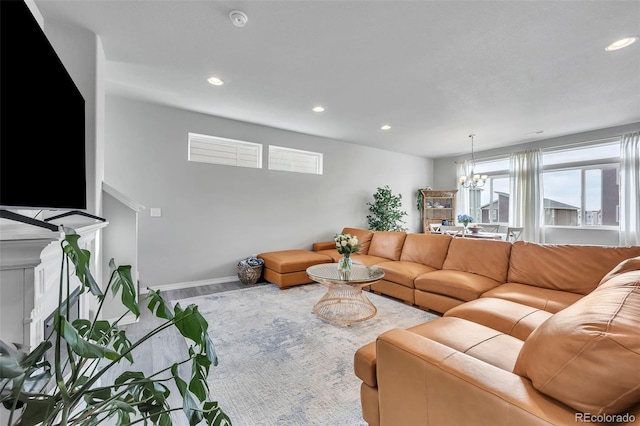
{"x":626,"y":265}
{"x":488,"y":258}
{"x":367,"y":259}
{"x":588,"y":355}
{"x":331,"y":253}
{"x":426,"y":249}
{"x":569,"y":267}
{"x":537,"y":297}
{"x":387,"y":244}
{"x":457,"y":284}
{"x":402,"y":272}
{"x":476,"y":340}
{"x":509,"y":317}
{"x":364,"y":238}
{"x":287,"y":261}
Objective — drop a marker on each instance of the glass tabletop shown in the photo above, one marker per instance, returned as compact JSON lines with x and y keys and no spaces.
{"x":359,"y":273}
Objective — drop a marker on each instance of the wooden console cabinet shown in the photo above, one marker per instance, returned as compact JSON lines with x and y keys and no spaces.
{"x":436,"y":206}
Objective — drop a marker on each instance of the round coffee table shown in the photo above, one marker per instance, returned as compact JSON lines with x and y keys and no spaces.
{"x":344,"y":301}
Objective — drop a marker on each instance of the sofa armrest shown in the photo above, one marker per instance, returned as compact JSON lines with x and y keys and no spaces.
{"x":421,"y":381}
{"x":324,"y":245}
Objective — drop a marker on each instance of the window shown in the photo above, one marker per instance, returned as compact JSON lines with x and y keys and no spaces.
{"x":581,"y":186}
{"x":294,"y":160}
{"x":492,"y":166}
{"x":587,"y":196}
{"x":609,"y":150}
{"x":228,"y":152}
{"x":490,"y":203}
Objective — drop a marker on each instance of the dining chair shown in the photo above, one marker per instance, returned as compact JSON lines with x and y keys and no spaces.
{"x":514,"y":233}
{"x":435,"y":228}
{"x":489,"y":227}
{"x":452,"y":230}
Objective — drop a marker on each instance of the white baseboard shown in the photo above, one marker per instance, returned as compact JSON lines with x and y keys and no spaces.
{"x":178,"y":286}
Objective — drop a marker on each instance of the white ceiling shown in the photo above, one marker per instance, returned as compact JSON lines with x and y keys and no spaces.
{"x":435,"y":71}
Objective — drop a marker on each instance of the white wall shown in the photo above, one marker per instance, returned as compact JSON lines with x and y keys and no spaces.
{"x":81,"y":53}
{"x":445,"y":177}
{"x":119,"y":242}
{"x":213,"y":216}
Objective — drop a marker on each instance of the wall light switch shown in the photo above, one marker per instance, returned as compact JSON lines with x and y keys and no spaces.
{"x":156,"y":212}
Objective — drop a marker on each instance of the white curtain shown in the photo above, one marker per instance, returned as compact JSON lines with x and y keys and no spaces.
{"x":526,"y":207}
{"x":630,"y":189}
{"x":462,"y":199}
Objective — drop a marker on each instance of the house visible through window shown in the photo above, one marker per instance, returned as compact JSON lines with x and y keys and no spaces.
{"x":490,"y":203}
{"x":580,"y":184}
{"x":228,"y":152}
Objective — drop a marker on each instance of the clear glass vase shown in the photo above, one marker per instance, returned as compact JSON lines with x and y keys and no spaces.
{"x":344,"y":267}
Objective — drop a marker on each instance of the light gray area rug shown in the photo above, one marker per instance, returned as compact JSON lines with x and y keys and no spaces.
{"x":282,"y":365}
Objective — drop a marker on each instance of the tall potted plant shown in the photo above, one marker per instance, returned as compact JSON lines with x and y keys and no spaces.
{"x":386,"y":214}
{"x":74,"y":389}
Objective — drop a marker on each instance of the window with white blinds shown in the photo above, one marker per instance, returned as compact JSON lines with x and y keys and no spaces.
{"x":228,"y":152}
{"x":294,"y":160}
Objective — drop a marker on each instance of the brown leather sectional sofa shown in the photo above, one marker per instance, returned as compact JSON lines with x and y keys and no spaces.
{"x":438,"y":272}
{"x":530,"y":334}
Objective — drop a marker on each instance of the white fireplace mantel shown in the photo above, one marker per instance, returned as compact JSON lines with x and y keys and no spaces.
{"x":30,"y":260}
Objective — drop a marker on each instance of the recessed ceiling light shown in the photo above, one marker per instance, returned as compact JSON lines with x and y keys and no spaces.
{"x":215,"y":81}
{"x":621,"y":44}
{"x":318,"y":109}
{"x":385,"y":127}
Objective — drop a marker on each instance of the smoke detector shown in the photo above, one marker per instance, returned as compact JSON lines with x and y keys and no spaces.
{"x":238,"y":18}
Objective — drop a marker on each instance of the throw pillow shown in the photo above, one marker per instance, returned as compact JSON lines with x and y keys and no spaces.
{"x":588,"y":355}
{"x":627,"y":265}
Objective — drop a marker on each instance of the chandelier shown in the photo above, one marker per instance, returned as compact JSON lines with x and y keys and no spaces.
{"x":473,"y":180}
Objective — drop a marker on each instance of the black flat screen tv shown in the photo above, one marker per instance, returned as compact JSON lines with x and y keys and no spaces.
{"x":42,"y":121}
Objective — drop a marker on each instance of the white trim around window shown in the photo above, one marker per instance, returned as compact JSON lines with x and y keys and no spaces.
{"x":223,"y":151}
{"x":294,"y":160}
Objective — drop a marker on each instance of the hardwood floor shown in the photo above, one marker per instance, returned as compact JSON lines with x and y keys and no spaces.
{"x":207,"y":289}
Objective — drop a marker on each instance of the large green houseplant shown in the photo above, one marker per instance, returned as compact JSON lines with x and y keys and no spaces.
{"x":74,"y":391}
{"x":385,"y":213}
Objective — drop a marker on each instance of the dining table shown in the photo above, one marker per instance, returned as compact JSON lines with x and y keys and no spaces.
{"x":485,"y":235}
{"x":479,"y":234}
